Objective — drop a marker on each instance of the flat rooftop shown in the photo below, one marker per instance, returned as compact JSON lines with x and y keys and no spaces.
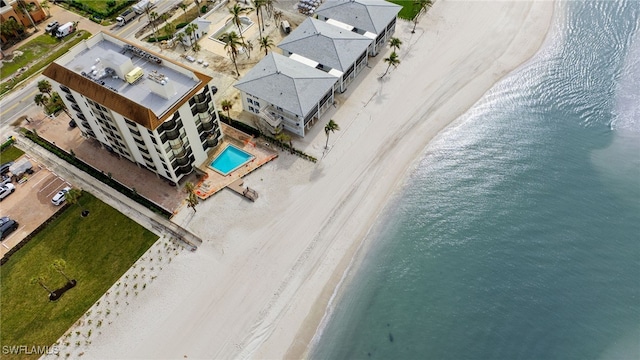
{"x":107,"y":60}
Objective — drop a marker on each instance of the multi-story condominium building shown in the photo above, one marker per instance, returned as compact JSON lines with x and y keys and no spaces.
{"x":145,"y":108}
{"x":294,"y":97}
{"x":329,"y":48}
{"x":284,"y":92}
{"x":26,"y":13}
{"x":375,"y":19}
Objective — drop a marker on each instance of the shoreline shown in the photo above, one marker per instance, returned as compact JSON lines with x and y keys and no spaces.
{"x":259,"y":285}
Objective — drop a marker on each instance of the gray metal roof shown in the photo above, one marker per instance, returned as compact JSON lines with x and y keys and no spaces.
{"x":287,"y":83}
{"x":326,"y":44}
{"x":369,"y":15}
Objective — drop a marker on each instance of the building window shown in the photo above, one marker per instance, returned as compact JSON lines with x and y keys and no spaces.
{"x":250,"y":101}
{"x":257,"y":104}
{"x":251,"y":109}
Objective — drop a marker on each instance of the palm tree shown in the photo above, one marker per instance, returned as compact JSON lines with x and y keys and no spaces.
{"x":153,"y":16}
{"x":44,"y":87}
{"x":192,"y":198}
{"x":231,"y":43}
{"x":420,"y":6}
{"x":196,"y":47}
{"x":248,"y":45}
{"x":392,"y":60}
{"x":259,"y":5}
{"x":269,"y":5}
{"x":395,"y":43}
{"x":56,"y":101}
{"x":277,"y":15}
{"x":59,"y":265}
{"x":40,"y":280}
{"x":226,"y":106}
{"x":331,"y":126}
{"x":180,"y":36}
{"x":73,"y":196}
{"x":27,"y":8}
{"x":236,"y":12}
{"x":266,"y":43}
{"x":42,"y":100}
{"x":184,"y":7}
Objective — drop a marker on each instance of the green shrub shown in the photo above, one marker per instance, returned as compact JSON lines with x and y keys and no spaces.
{"x":159,"y":38}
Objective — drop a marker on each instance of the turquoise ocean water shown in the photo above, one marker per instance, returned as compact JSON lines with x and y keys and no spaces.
{"x":518,"y":234}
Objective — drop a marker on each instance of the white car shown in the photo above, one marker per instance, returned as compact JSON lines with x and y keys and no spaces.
{"x":6,"y":190}
{"x":60,"y":196}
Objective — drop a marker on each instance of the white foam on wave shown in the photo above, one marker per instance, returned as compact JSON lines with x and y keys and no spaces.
{"x":627,"y":94}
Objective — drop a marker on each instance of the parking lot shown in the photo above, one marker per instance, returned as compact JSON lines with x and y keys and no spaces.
{"x":30,"y":204}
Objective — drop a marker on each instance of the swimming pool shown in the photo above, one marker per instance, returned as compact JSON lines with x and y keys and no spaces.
{"x":230,"y":159}
{"x":245,"y":23}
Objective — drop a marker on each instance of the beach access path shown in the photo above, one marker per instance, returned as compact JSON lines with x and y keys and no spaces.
{"x":259,"y":284}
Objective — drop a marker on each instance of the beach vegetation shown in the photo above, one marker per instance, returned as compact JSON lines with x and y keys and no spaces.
{"x":192,"y":198}
{"x":236,"y":13}
{"x":232,"y":43}
{"x":331,"y":126}
{"x":266,"y":44}
{"x":98,"y":250}
{"x":392,"y":60}
{"x":420,"y":7}
{"x":226,"y":106}
{"x":395,"y":43}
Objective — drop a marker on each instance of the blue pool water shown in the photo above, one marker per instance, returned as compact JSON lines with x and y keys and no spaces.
{"x":230,"y":159}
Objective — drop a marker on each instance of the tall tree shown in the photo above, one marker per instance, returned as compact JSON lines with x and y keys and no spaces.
{"x":331,"y":126}
{"x":27,"y":8}
{"x":395,"y":43}
{"x":60,"y":265}
{"x":392,"y":60}
{"x":277,"y":16}
{"x":226,"y":106}
{"x":44,"y":86}
{"x":40,"y":280}
{"x":248,"y":45}
{"x":236,"y":13}
{"x":259,"y":5}
{"x":269,"y":5}
{"x":192,"y":198}
{"x":231,"y":44}
{"x":184,"y":7}
{"x":170,"y":30}
{"x":180,"y":36}
{"x":42,"y":100}
{"x":153,"y":16}
{"x":420,"y":7}
{"x":266,"y":43}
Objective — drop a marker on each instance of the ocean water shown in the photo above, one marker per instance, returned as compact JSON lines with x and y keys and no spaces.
{"x":518,"y":234}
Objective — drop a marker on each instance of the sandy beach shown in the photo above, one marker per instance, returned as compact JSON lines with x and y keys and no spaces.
{"x":259,"y":285}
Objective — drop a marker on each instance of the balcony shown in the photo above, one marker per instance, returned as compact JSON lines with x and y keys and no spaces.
{"x":71,"y":98}
{"x":269,"y":117}
{"x":76,"y":107}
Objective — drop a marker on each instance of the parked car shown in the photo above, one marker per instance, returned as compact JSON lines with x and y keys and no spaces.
{"x":59,"y":197}
{"x":4,"y":168}
{"x":6,"y":190}
{"x":51,"y":27}
{"x":7,"y":226}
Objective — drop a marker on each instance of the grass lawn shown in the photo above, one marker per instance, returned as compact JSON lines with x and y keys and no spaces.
{"x":100,"y":5}
{"x":51,"y":52}
{"x":32,"y":50}
{"x":408,"y":11}
{"x":97,"y":249}
{"x":10,"y":154}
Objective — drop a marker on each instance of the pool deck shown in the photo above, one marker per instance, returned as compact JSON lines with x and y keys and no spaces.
{"x":212,"y":181}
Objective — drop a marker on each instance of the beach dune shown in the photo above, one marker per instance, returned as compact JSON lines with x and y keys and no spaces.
{"x":259,"y":285}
